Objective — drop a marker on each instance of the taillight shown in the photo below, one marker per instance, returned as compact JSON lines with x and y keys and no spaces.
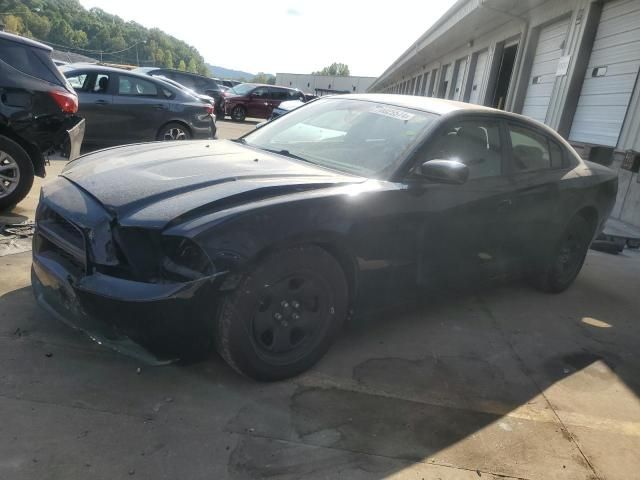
{"x":210,"y":109}
{"x":68,"y":102}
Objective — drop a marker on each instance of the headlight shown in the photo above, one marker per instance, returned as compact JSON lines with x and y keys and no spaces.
{"x":185,"y":260}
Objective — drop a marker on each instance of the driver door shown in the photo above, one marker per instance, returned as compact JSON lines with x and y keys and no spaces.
{"x":463,"y":228}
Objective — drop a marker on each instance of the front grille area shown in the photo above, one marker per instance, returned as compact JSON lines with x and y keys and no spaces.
{"x":59,"y":236}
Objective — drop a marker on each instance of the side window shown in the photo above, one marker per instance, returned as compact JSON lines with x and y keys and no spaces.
{"x":294,"y":95}
{"x":136,"y":87}
{"x":261,"y":92}
{"x":557,"y":157}
{"x":211,"y":85}
{"x":476,"y":143}
{"x":185,"y":80}
{"x":30,"y":61}
{"x":530,"y":149}
{"x":79,"y":82}
{"x":279,"y":94}
{"x":101,"y":84}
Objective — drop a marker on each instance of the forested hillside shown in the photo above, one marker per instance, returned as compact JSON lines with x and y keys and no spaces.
{"x":67,"y":25}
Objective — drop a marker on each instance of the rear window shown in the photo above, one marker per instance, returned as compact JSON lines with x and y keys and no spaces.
{"x":30,"y":61}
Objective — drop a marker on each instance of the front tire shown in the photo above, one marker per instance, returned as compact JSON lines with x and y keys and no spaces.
{"x":284,"y":315}
{"x":16,"y":173}
{"x":174,"y":131}
{"x":566,"y":261}
{"x":239,"y":113}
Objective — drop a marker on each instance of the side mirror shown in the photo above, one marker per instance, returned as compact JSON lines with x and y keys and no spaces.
{"x":444,"y":171}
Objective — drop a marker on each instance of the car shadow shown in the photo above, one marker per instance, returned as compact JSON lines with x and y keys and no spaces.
{"x":500,"y":366}
{"x":246,"y":121}
{"x":9,"y":217}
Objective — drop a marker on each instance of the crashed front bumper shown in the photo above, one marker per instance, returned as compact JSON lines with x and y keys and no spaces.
{"x":78,"y":277}
{"x":155,"y":323}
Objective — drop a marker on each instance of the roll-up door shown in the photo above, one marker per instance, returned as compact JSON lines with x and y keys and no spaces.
{"x":478,"y":76}
{"x":550,"y":46}
{"x":611,"y":75}
{"x":461,"y":67}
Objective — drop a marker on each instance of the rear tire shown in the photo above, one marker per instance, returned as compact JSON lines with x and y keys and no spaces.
{"x":284,"y":315}
{"x":174,"y":131}
{"x":239,"y":113}
{"x":16,"y":173}
{"x":564,"y":265}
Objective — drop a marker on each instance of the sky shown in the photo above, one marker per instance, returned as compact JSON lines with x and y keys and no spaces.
{"x":294,"y":36}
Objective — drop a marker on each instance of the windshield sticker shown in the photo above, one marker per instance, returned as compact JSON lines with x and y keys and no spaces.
{"x":392,"y":112}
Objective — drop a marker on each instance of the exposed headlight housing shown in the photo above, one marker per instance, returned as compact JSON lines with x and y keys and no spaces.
{"x":185,"y":260}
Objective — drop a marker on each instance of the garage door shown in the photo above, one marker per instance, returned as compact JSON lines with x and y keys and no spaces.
{"x":425,"y":82}
{"x":478,"y":76}
{"x":611,"y":75}
{"x":543,"y":71}
{"x":461,"y":66}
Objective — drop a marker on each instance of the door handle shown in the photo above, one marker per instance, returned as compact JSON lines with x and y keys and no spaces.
{"x":504,"y":204}
{"x":101,"y":102}
{"x":160,"y":106}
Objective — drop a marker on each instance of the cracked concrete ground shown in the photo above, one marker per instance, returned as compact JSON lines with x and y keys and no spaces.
{"x":503,"y":383}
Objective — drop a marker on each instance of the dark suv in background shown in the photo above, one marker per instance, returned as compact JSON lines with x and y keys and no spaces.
{"x":197,"y":83}
{"x":256,"y":100}
{"x":37,"y":114}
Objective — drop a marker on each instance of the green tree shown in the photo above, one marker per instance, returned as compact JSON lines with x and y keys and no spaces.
{"x":262,"y":77}
{"x":182,"y":66}
{"x":72,"y":27}
{"x":168,"y":59}
{"x":159,"y":57}
{"x":13,"y":24}
{"x":335,"y":69}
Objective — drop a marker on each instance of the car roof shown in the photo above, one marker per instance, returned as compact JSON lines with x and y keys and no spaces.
{"x":25,"y":41}
{"x":153,"y":69}
{"x":438,"y":106}
{"x":100,"y":68}
{"x":268,"y":85}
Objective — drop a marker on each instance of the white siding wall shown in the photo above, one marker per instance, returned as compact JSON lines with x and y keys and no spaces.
{"x":604,"y":100}
{"x":551,"y":43}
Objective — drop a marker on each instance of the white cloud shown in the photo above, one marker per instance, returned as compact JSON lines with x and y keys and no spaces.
{"x":288,"y":36}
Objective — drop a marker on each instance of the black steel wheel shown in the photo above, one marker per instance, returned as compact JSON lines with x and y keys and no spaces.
{"x":564,"y":265}
{"x":16,"y":173}
{"x":284,"y":315}
{"x":239,"y":113}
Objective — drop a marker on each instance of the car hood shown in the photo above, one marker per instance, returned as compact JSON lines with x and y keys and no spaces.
{"x":151,"y":184}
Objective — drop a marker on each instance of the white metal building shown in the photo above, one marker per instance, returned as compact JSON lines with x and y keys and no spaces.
{"x":572,"y":64}
{"x":324,"y":84}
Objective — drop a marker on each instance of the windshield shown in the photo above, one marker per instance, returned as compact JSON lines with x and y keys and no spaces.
{"x":243,"y":88}
{"x":353,"y":136}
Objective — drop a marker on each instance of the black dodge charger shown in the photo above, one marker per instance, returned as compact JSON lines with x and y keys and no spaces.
{"x":264,"y":245}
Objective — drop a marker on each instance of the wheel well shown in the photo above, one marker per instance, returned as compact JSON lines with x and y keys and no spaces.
{"x":347,"y":264}
{"x":179,"y":122}
{"x":34,"y":154}
{"x":590,"y":214}
{"x":344,"y":259}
